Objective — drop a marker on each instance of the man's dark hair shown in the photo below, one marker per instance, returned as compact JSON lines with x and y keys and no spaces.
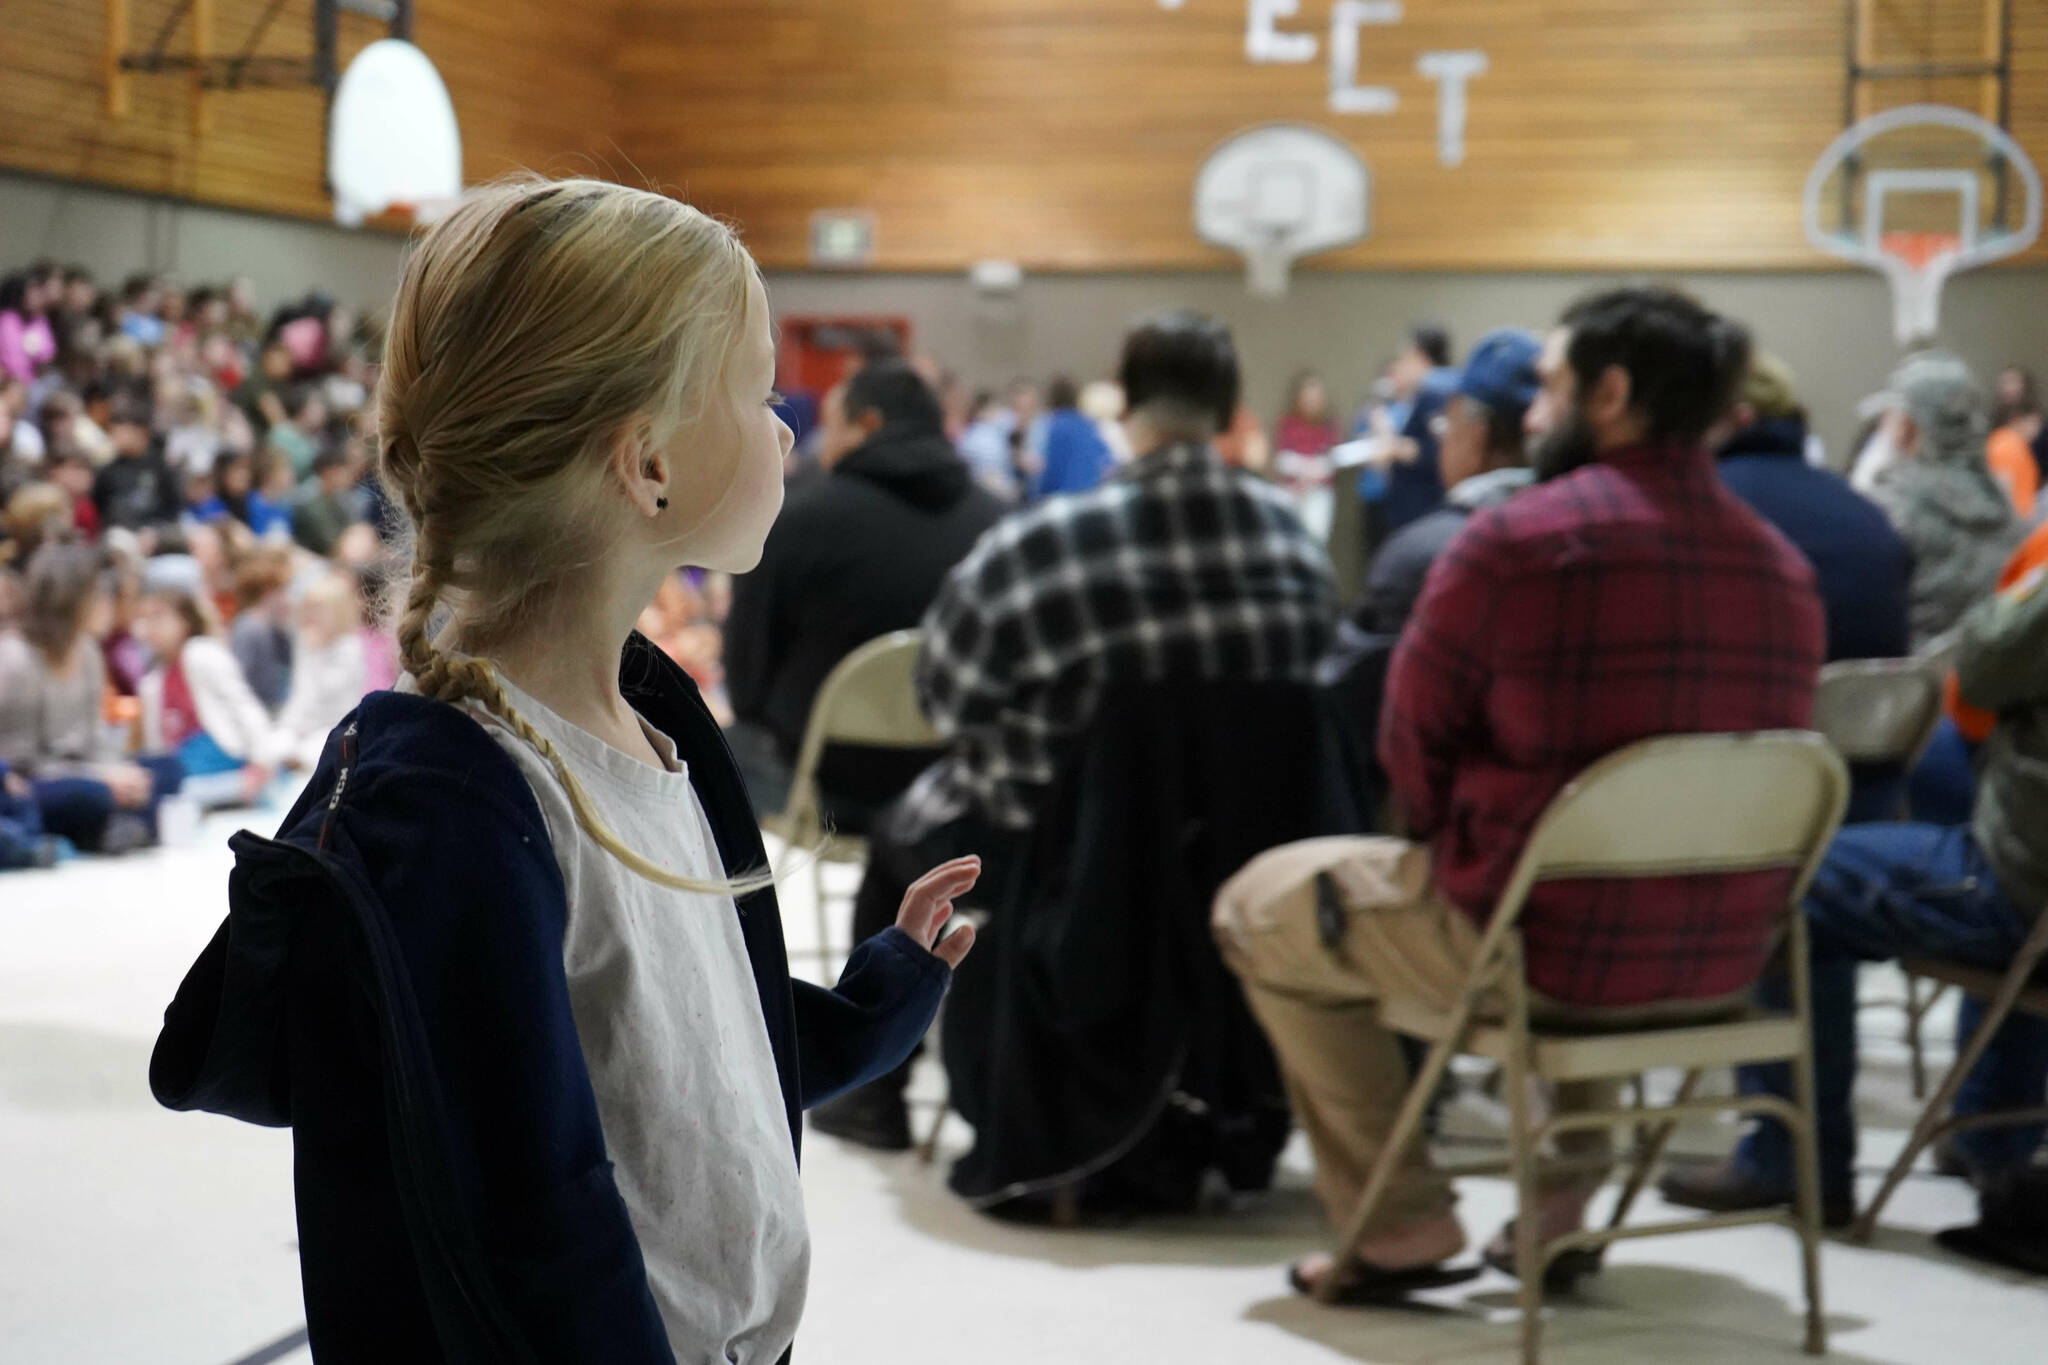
{"x":1182,"y":360}
{"x":77,"y":274}
{"x":1062,"y":392}
{"x":1506,"y":439}
{"x":137,"y":286}
{"x":14,"y":291}
{"x":1684,"y":363}
{"x":1433,"y":340}
{"x":896,"y":391}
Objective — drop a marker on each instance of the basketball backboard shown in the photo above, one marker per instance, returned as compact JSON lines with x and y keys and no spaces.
{"x":392,"y":142}
{"x":1278,"y":192}
{"x":1918,"y":194}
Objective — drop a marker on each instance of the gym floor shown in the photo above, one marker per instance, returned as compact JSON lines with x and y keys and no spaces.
{"x":130,"y":1234}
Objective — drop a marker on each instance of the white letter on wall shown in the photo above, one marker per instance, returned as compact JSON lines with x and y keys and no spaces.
{"x":1347,"y":96}
{"x":1450,"y":70}
{"x":1263,"y":40}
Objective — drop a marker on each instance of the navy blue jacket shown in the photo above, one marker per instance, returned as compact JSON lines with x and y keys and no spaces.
{"x":389,"y":982}
{"x":1862,"y":566}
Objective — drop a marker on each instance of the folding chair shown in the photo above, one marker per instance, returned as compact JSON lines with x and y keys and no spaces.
{"x":1679,"y":806}
{"x":2019,"y":988}
{"x":1885,"y":711}
{"x":867,"y":699}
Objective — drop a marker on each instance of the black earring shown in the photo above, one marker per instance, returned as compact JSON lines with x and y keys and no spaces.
{"x":661,"y":504}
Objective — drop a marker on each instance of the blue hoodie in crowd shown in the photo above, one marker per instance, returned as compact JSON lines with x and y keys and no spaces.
{"x":389,"y":982}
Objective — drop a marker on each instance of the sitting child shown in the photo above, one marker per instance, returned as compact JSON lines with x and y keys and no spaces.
{"x":196,"y":706}
{"x":260,"y":637}
{"x":330,"y":673}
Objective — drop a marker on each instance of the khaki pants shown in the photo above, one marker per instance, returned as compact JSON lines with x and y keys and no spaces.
{"x":1346,"y":1076}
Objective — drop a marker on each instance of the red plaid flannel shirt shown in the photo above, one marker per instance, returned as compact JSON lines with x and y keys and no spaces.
{"x":1631,"y":598}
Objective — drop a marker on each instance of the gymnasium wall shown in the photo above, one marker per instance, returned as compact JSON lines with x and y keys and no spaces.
{"x":1065,"y":134}
{"x":529,"y":80}
{"x":115,"y":233}
{"x":1834,"y":327}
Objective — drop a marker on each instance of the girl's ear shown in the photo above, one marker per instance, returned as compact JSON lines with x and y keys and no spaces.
{"x":639,"y":465}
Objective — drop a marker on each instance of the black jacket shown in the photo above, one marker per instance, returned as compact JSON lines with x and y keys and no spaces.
{"x":137,"y":491}
{"x":1096,"y":1034}
{"x":389,"y":982}
{"x":857,"y":553}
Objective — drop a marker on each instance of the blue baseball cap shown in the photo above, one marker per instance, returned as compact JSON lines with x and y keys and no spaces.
{"x":1501,"y":370}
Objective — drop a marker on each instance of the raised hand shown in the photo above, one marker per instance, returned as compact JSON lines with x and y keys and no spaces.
{"x":928,"y":907}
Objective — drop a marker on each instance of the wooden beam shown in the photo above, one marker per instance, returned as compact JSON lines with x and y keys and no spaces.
{"x":112,"y":76}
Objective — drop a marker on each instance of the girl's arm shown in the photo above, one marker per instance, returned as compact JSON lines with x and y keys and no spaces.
{"x":867,"y":1025}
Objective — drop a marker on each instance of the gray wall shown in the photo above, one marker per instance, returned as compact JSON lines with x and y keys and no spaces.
{"x":1833,"y":328}
{"x":114,"y":233}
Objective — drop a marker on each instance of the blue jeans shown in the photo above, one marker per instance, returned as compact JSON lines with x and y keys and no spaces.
{"x":1942,"y":788}
{"x":21,"y":827}
{"x":1883,"y":891}
{"x":78,"y":808}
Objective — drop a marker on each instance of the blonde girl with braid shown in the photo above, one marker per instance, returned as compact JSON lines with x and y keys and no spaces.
{"x":560,"y":925}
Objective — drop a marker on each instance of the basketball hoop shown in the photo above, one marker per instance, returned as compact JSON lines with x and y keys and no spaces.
{"x":1915,"y":261}
{"x":1920,"y":249}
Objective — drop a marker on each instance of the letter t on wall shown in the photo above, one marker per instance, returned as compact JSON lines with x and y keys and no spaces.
{"x":1451,"y":70}
{"x":1347,"y":96}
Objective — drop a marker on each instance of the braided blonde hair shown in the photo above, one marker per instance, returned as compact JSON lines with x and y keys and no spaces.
{"x":531,"y":327}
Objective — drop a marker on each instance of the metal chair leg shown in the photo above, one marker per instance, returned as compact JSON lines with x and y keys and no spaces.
{"x":1651,"y":1151}
{"x":1806,"y":1146}
{"x":1407,"y":1128}
{"x":1916,"y":1010}
{"x":1932,"y":1114}
{"x":1522,"y":1160}
{"x":824,"y":921}
{"x":928,"y":1150}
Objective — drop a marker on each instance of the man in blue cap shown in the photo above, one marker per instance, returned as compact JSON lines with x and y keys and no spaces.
{"x":1481,"y":456}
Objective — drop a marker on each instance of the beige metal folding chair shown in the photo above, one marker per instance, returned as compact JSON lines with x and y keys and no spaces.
{"x":867,"y":699}
{"x":1885,"y":711}
{"x":2019,"y":988}
{"x":1680,"y":806}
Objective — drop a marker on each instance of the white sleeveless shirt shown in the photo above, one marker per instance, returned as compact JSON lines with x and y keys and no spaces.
{"x":672,"y":1033}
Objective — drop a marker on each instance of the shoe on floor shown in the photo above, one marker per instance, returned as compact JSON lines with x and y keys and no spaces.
{"x":1727,"y":1188}
{"x":125,"y":833}
{"x":872,"y":1116}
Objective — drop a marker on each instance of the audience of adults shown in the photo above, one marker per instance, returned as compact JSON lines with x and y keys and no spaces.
{"x":1178,"y":567}
{"x":1939,"y":492}
{"x":1969,"y":893}
{"x":855,"y":555}
{"x":1542,"y":641}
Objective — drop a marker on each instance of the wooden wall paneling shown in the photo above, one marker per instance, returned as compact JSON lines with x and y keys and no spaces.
{"x":1066,"y":133}
{"x":529,"y":80}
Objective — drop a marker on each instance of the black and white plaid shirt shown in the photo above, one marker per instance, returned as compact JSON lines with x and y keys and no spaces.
{"x":1178,"y":567}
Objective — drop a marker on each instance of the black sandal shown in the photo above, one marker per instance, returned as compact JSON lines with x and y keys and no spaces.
{"x":1565,"y":1270}
{"x":1368,"y":1286}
